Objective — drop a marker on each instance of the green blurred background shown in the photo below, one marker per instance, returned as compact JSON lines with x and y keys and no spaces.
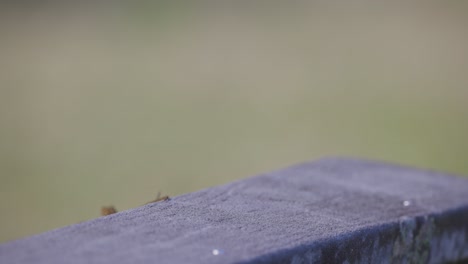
{"x":110,"y":103}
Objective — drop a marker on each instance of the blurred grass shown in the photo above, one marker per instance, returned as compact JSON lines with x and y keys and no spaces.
{"x":105,"y":105}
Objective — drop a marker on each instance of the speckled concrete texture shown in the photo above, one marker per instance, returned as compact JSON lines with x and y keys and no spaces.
{"x":334,"y":210}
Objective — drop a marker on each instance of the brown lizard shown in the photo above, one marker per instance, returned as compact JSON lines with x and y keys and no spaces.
{"x":108,"y":210}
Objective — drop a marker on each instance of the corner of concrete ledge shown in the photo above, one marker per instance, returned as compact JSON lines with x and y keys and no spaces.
{"x":335,"y":210}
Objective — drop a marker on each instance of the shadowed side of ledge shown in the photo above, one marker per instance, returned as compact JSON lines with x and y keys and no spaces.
{"x":333,"y":210}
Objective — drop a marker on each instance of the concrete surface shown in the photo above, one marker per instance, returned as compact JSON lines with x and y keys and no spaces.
{"x":334,"y":210}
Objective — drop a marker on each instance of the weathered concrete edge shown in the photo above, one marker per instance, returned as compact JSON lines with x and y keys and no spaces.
{"x":434,"y":238}
{"x":384,"y":241}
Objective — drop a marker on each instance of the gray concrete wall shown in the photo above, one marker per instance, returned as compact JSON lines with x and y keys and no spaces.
{"x":333,"y":210}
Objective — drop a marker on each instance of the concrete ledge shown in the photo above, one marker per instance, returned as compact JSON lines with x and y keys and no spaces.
{"x":329,"y":211}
